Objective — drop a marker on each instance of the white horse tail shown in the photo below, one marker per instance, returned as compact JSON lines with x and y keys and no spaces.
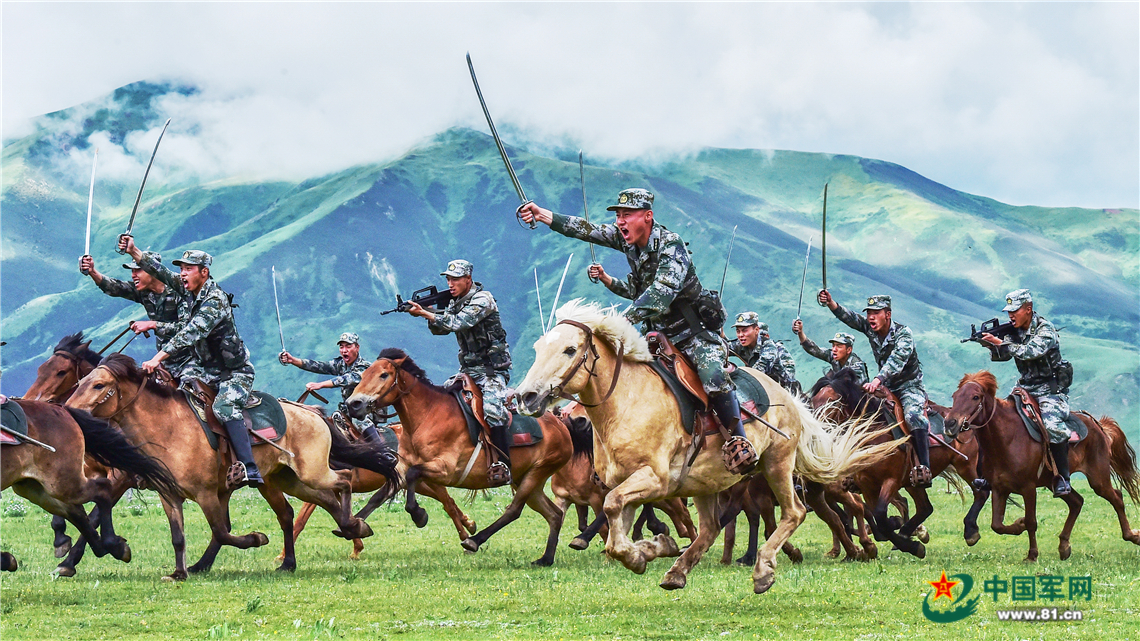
{"x":827,"y":452}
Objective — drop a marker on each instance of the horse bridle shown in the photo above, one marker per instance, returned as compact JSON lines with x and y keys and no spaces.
{"x":75,"y":360}
{"x":981,"y":406}
{"x":559,"y":389}
{"x":111,"y":392}
{"x":400,"y":393}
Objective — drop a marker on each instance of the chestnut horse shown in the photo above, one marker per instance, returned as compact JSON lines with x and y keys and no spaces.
{"x":437,"y":446}
{"x":58,"y":481}
{"x":162,"y":421}
{"x":641,"y":448}
{"x":1013,"y":464}
{"x":881,"y":483}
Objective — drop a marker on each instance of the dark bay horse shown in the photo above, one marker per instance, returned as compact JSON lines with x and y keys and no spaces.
{"x":58,"y":481}
{"x":438,"y":446}
{"x":880,"y":483}
{"x":1013,"y":464}
{"x":161,"y":420}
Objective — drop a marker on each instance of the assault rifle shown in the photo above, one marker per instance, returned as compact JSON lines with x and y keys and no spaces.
{"x":991,"y":327}
{"x":426,"y":297}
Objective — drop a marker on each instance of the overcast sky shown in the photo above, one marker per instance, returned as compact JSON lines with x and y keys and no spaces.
{"x":1032,"y":103}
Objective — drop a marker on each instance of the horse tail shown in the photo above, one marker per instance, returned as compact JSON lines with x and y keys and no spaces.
{"x":370,"y":455}
{"x":1122,"y":458}
{"x":826,"y":454}
{"x":581,"y":436}
{"x":107,"y":445}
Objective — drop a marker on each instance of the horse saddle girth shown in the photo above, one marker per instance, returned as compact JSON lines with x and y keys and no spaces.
{"x":263,"y":414}
{"x":1030,"y":412}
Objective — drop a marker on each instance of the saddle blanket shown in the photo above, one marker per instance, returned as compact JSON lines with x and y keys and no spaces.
{"x":262,"y":412}
{"x":524,"y":430}
{"x":1077,"y":428}
{"x":12,"y":417}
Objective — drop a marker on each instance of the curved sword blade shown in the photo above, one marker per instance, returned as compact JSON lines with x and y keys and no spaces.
{"x":138,"y":198}
{"x":804,"y":279}
{"x":277,"y":306}
{"x":90,"y":201}
{"x":498,"y":141}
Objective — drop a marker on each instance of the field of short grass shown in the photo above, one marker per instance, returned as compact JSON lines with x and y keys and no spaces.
{"x":418,"y":584}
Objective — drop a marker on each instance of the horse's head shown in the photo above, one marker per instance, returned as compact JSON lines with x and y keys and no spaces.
{"x":975,"y":392}
{"x":109,"y":387}
{"x":841,"y":393}
{"x":380,"y":384}
{"x":567,"y":356}
{"x":71,"y":360}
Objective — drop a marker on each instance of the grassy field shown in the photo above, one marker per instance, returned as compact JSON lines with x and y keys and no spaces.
{"x":418,"y":584}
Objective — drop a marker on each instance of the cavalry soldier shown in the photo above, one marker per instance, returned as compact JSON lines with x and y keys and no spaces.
{"x":219,"y":358}
{"x":159,"y":301}
{"x":842,"y":353}
{"x":667,"y":297}
{"x":1036,"y":350}
{"x":473,"y":316}
{"x":756,"y":348}
{"x":347,"y":369}
{"x":899,"y":370}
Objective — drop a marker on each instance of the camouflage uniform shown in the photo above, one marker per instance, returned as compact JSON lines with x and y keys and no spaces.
{"x":162,"y":308}
{"x":853,"y":361}
{"x":219,"y":357}
{"x":347,"y":376}
{"x":662,"y":281}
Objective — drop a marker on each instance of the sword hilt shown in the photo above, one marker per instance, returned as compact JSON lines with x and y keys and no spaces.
{"x":518,"y":214}
{"x":594,"y":279}
{"x":120,"y":249}
{"x":817,"y":298}
{"x":84,"y":270}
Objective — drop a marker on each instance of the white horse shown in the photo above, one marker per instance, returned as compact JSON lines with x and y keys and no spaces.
{"x":640,"y":446}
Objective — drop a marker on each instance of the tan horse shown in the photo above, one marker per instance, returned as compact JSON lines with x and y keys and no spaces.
{"x":58,"y":481}
{"x":640,"y":446}
{"x":159,"y":418}
{"x":437,"y":446}
{"x":364,"y":480}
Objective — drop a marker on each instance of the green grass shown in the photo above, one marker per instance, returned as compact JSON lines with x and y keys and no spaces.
{"x":418,"y":584}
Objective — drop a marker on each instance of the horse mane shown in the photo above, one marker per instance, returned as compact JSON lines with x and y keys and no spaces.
{"x":123,"y":367}
{"x":409,"y":366}
{"x":845,"y":382}
{"x":609,"y":324}
{"x":73,"y":344}
{"x":983,"y":378}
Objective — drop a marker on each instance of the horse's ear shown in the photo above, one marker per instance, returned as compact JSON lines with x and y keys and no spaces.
{"x":86,"y":345}
{"x":399,"y":362}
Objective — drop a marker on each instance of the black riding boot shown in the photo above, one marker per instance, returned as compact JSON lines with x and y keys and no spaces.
{"x":920,"y":476}
{"x":740,"y":456}
{"x":370,"y":434}
{"x":500,"y":471}
{"x":243,"y":452}
{"x":1060,"y":452}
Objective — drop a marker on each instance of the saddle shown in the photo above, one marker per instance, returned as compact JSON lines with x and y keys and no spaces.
{"x":12,"y":417}
{"x":262,"y":414}
{"x":524,"y":430}
{"x":1030,"y":412}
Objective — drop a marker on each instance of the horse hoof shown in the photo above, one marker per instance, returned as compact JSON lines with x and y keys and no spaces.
{"x":748,"y":560}
{"x":1065,"y":550}
{"x":260,"y":539}
{"x":673,"y":581}
{"x":64,"y":570}
{"x":972,"y":539}
{"x":666,"y":546}
{"x":364,"y":531}
{"x":919,"y":550}
{"x":63,"y":549}
{"x":8,"y":562}
{"x":871,"y":552}
{"x":287,"y":567}
{"x":579,"y":544}
{"x":761,"y":585}
{"x":419,"y":517}
{"x":542,"y":563}
{"x":832,"y":554}
{"x":177,"y":575}
{"x":280,"y":557}
{"x":198,"y":569}
{"x":471,"y":527}
{"x":470,"y":545}
{"x":796,"y":556}
{"x":125,"y":553}
{"x":922,"y":534}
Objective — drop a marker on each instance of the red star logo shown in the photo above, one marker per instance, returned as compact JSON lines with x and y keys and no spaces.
{"x":942,"y":587}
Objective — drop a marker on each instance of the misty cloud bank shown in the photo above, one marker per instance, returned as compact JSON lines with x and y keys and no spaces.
{"x":1028,"y":104}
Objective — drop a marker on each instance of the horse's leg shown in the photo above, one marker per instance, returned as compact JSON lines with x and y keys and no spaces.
{"x":539,"y":502}
{"x":175,"y":518}
{"x":1100,"y":481}
{"x":778,"y":472}
{"x":729,"y":541}
{"x":886,"y":526}
{"x":1074,"y":501}
{"x":856,"y":509}
{"x":997,"y":518}
{"x":582,"y":541}
{"x":299,"y":524}
{"x":276,"y":500}
{"x":814,"y":494}
{"x":922,"y":511}
{"x":655,"y":525}
{"x":679,"y":515}
{"x":639,"y":487}
{"x":532,"y":481}
{"x":216,"y":508}
{"x":1031,"y":523}
{"x":411,"y":506}
{"x":583,"y":515}
{"x":62,"y":542}
{"x":463,"y":524}
{"x":757,"y":507}
{"x":708,"y":528}
{"x":639,"y":524}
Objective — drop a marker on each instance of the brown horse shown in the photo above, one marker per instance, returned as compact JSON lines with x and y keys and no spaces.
{"x":364,"y":480}
{"x":159,"y":417}
{"x":438,"y":447}
{"x":1013,"y":463}
{"x":58,"y":482}
{"x":880,"y":483}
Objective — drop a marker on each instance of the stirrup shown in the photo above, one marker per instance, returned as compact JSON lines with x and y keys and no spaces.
{"x":1061,"y":487}
{"x":499,"y":473}
{"x":739,"y":455}
{"x":920,"y":476}
{"x":237,"y":476}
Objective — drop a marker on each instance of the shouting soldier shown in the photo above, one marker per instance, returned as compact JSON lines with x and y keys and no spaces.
{"x":346,"y":369}
{"x":667,"y":297}
{"x":842,"y":353}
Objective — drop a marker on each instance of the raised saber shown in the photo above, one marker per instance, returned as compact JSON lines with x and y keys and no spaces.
{"x":138,"y":198}
{"x":499,"y":143}
{"x":804,"y":279}
{"x":726,"y":261}
{"x":559,"y":292}
{"x":90,"y":200}
{"x":277,"y":306}
{"x":586,"y":210}
{"x":823,"y":245}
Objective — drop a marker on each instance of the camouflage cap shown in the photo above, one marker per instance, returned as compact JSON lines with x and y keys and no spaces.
{"x":349,"y":337}
{"x":633,"y":199}
{"x":746,"y":319}
{"x":133,"y":265}
{"x":193,"y":257}
{"x":843,"y":338}
{"x":1016,"y":299}
{"x":882,"y":301}
{"x":457,"y":269}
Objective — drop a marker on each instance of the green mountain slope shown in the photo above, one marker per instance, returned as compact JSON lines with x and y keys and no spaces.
{"x":344,"y":244}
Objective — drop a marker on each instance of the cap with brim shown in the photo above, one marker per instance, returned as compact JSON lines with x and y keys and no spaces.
{"x":457,"y":269}
{"x":747,"y":319}
{"x":1016,"y":299}
{"x":193,"y":257}
{"x":349,"y":337}
{"x":843,"y":338}
{"x":633,"y":199}
{"x":881,"y":301}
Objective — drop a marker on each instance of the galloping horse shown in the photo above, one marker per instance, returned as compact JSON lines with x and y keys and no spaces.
{"x":1012,"y":461}
{"x":640,"y":446}
{"x":58,"y":482}
{"x":159,"y":417}
{"x":881,"y":483}
{"x":437,"y":446}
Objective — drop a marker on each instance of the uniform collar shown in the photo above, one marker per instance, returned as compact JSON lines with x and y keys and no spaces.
{"x":475,"y":289}
{"x":652,"y":245}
